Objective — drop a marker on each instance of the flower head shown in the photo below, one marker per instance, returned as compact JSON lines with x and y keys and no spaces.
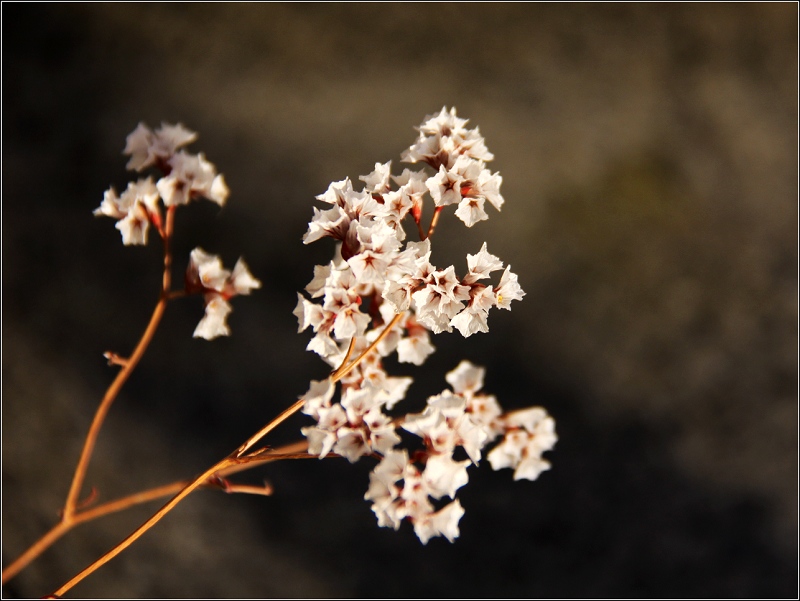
{"x":206,"y":275}
{"x":135,"y":210}
{"x":382,"y":294}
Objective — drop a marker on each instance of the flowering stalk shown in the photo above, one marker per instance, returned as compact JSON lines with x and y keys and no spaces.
{"x":185,"y":177}
{"x":379,"y":295}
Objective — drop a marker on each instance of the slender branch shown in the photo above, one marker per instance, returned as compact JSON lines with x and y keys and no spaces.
{"x":290,"y":451}
{"x":36,"y":549}
{"x":434,"y":221}
{"x":347,"y":356}
{"x":422,"y":234}
{"x":269,"y":427}
{"x":230,"y":464}
{"x":264,"y":490}
{"x":337,"y":375}
{"x":127,"y":368}
{"x":155,"y":518}
{"x":342,"y":372}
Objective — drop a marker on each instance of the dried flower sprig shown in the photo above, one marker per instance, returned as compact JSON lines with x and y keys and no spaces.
{"x":379,"y":295}
{"x":376,"y":276}
{"x":144,"y":204}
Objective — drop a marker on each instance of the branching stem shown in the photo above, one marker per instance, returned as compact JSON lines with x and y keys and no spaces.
{"x":291,"y":451}
{"x":233,"y":460}
{"x":71,"y":514}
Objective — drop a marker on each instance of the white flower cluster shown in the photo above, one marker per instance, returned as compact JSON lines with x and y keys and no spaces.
{"x":206,"y":275}
{"x":462,"y":418}
{"x":185,"y":177}
{"x":373,"y":269}
{"x":378,"y":280}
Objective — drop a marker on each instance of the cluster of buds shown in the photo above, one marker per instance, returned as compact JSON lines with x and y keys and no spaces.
{"x":381,"y":293}
{"x":185,"y":177}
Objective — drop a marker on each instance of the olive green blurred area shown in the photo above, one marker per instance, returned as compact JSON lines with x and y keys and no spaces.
{"x":649,"y":163}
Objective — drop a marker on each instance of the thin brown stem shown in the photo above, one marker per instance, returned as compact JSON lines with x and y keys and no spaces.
{"x":269,"y":427}
{"x":290,"y":451}
{"x":337,"y":375}
{"x":265,"y":490}
{"x":122,"y":376}
{"x":102,"y":411}
{"x":347,"y":356}
{"x":154,"y":519}
{"x":230,"y":464}
{"x":343,"y":371}
{"x":36,"y":549}
{"x":422,"y":234}
{"x":434,"y":221}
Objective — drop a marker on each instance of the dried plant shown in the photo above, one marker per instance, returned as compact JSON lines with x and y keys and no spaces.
{"x":379,"y":295}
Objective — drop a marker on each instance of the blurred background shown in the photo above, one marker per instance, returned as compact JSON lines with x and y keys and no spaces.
{"x":649,"y":163}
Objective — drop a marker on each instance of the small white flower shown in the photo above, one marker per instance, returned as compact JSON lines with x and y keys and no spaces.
{"x":445,"y":424}
{"x":134,"y":226}
{"x":382,"y":434}
{"x":351,"y":444}
{"x":485,"y":411}
{"x":213,"y":322}
{"x":489,"y":185}
{"x":358,"y":402}
{"x":481,"y":265}
{"x":319,"y":395}
{"x":470,"y":210}
{"x":320,"y":441}
{"x":242,"y":280}
{"x":309,"y":314}
{"x":206,"y":274}
{"x":206,"y":269}
{"x":445,"y":476}
{"x":416,"y":348}
{"x":337,"y":192}
{"x":110,"y":207}
{"x":146,"y":147}
{"x":392,"y":467}
{"x":445,"y":187}
{"x":442,"y":523}
{"x":530,"y":432}
{"x":377,"y":182}
{"x":470,"y":321}
{"x":137,"y":145}
{"x":134,"y":210}
{"x":316,"y":287}
{"x":409,"y":198}
{"x":440,"y":300}
{"x":508,"y":289}
{"x":466,"y":378}
{"x":443,"y":139}
{"x":445,"y":123}
{"x":392,"y":390}
{"x":333,"y":222}
{"x":191,"y":176}
{"x":332,"y":418}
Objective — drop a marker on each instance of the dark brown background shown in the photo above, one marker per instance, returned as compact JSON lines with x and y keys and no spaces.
{"x":649,"y":156}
